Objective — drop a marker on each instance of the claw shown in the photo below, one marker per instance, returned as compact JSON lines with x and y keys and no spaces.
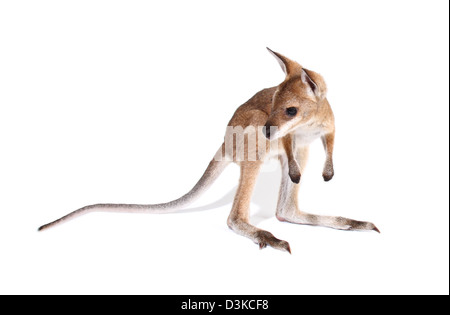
{"x":288,"y":248}
{"x":376,"y":229}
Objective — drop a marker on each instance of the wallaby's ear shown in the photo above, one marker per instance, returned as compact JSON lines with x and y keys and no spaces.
{"x":289,"y":67}
{"x":315,"y":82}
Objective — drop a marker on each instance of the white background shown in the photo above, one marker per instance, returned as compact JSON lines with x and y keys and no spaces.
{"x":127,"y":101}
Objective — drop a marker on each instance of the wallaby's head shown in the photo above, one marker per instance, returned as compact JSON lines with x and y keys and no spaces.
{"x":296,"y":99}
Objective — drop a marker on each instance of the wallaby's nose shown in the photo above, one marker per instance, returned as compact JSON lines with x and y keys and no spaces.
{"x":267,"y":131}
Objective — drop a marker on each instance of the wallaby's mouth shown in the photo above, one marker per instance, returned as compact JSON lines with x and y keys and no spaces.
{"x":266,"y":131}
{"x":271,"y":132}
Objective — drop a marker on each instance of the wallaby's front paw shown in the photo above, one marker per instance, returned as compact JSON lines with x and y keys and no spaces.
{"x":265,"y":238}
{"x":294,"y":172}
{"x":328,"y":170}
{"x":295,"y":178}
{"x":328,"y":175}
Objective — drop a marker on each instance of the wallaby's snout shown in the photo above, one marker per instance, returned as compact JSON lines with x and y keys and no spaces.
{"x":271,"y":128}
{"x":266,"y":130}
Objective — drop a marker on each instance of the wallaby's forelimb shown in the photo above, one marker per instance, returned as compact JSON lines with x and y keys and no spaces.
{"x":213,"y":171}
{"x":294,"y":168}
{"x":328,"y":144}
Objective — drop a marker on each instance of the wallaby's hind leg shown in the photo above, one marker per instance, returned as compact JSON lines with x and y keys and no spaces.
{"x":238,"y":219}
{"x":287,"y":208}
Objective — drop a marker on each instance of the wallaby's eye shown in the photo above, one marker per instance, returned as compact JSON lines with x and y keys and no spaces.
{"x":291,"y":111}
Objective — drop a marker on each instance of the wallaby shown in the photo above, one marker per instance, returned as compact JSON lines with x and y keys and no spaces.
{"x":295,"y":112}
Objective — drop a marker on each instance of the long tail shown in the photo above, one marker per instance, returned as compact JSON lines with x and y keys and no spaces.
{"x":215,"y":168}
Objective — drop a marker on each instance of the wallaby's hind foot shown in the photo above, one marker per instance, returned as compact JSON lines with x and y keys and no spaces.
{"x":261,"y":237}
{"x":264,"y":238}
{"x":339,"y":223}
